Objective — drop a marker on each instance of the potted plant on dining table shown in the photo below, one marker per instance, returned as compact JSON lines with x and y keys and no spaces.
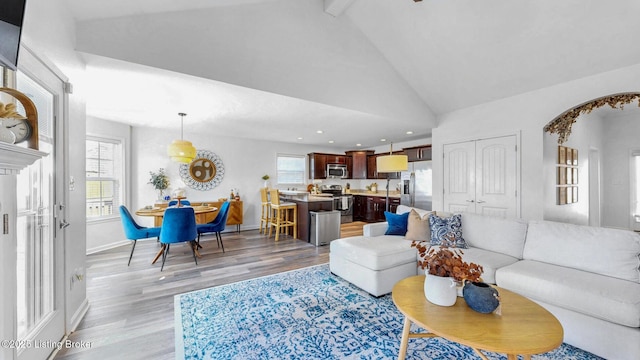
{"x":160,"y":182}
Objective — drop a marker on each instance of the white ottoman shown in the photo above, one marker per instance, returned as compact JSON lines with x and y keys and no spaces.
{"x":373,"y":264}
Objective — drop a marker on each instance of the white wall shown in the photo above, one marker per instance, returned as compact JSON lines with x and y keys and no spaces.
{"x":104,"y":233}
{"x":621,"y":135}
{"x":280,"y":46}
{"x":528,"y":114}
{"x":586,"y":133}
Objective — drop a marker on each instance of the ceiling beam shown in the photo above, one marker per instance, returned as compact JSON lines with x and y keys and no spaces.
{"x":336,"y":7}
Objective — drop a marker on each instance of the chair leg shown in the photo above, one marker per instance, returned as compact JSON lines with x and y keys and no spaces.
{"x":164,"y":256}
{"x":219,"y":235}
{"x":193,"y":250}
{"x":198,"y":242}
{"x":132,"y":248}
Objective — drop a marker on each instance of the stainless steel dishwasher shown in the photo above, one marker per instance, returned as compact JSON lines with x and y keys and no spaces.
{"x":324,"y":226}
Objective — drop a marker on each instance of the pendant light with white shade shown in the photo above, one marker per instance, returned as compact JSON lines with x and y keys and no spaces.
{"x":181,"y":150}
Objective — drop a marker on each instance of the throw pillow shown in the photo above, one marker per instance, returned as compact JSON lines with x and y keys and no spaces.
{"x":447,"y":231}
{"x":418,"y":227}
{"x":397,"y":223}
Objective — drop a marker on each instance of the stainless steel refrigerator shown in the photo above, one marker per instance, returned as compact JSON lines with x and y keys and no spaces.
{"x":416,"y":188}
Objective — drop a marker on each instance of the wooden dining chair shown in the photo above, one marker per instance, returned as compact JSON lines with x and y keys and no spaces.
{"x":178,"y":225}
{"x":265,"y":212}
{"x":284,"y":215}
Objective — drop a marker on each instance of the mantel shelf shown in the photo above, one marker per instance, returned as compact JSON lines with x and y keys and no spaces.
{"x":15,"y":158}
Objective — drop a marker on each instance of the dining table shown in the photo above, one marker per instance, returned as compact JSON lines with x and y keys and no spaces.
{"x":158,"y":213}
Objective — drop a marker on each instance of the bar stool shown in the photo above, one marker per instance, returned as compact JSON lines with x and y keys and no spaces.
{"x":283,"y":215}
{"x":265,"y":213}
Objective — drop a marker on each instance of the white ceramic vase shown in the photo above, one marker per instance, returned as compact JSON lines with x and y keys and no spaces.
{"x":440,"y":290}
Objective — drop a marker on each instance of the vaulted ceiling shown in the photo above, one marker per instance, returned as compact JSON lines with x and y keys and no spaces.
{"x":360,"y":70}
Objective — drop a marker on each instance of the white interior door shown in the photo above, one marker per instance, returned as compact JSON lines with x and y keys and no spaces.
{"x":481,"y":176}
{"x":40,"y":254}
{"x":460,"y":177}
{"x":496,"y":177}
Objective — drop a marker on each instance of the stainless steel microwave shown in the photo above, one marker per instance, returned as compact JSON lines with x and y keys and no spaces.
{"x":337,"y":171}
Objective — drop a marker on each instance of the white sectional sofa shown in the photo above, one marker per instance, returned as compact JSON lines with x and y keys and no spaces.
{"x":589,"y":278}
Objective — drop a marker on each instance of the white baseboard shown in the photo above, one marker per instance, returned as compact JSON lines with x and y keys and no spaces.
{"x":78,"y":316}
{"x":96,"y":249}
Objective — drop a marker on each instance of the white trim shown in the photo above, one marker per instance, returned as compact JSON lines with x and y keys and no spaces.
{"x":108,"y":246}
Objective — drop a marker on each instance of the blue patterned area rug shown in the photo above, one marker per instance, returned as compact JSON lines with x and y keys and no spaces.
{"x":306,"y":314}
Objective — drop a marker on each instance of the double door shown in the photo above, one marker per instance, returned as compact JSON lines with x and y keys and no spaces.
{"x":482,"y":176}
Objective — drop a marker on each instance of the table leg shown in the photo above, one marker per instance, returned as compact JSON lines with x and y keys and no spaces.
{"x":158,"y":254}
{"x":484,"y":357}
{"x":405,"y":338}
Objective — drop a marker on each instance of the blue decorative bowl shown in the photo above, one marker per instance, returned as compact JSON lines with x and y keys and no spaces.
{"x":480,"y":297}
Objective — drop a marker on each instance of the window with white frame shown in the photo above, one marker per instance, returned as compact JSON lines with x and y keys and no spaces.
{"x":104,"y":176}
{"x":290,"y":169}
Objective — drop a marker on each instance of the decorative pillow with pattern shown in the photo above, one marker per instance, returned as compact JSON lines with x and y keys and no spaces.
{"x":447,"y":231}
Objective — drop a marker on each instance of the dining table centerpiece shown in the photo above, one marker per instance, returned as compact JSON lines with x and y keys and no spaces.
{"x":160,"y":182}
{"x":445,"y":271}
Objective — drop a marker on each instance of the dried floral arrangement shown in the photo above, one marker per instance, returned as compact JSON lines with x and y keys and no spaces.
{"x":562,"y":124}
{"x":446,"y":262}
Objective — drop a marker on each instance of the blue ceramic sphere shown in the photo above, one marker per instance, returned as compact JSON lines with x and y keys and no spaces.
{"x":480,"y":297}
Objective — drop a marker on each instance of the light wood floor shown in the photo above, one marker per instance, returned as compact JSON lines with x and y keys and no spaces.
{"x":131,"y":308}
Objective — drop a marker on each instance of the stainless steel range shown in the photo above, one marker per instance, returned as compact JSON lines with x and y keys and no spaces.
{"x":341,"y":202}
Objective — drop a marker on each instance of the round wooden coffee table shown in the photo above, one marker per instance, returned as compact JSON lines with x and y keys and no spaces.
{"x":524,"y":328}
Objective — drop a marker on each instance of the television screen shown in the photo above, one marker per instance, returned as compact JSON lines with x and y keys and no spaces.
{"x":11,"y":16}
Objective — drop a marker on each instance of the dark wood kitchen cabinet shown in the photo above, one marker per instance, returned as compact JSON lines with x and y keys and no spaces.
{"x":358,"y":168}
{"x":318,"y":164}
{"x":418,"y":153}
{"x":359,"y":207}
{"x":373,"y":207}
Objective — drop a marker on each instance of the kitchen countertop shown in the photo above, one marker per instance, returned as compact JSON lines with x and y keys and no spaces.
{"x":392,"y":194}
{"x":303,"y":196}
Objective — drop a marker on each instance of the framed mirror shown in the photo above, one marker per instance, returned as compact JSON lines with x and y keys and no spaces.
{"x":205,"y":172}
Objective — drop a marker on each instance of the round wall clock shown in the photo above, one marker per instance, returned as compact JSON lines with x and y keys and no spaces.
{"x":205,"y":171}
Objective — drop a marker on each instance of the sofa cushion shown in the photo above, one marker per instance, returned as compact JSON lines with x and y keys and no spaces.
{"x":600,"y":296}
{"x":418,"y":227}
{"x":489,"y":260}
{"x":396,"y":224}
{"x":444,"y":228}
{"x":604,"y":251}
{"x":375,"y":253}
{"x":506,"y":236}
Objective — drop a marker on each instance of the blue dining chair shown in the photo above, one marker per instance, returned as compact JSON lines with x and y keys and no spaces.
{"x":183,"y":202}
{"x":217,"y":225}
{"x":133,"y":231}
{"x":178,"y":225}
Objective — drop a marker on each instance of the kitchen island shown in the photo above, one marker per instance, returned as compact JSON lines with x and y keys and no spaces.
{"x":306,"y":202}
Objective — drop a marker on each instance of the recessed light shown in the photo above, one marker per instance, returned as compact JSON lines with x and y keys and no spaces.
{"x":319,"y":131}
{"x":299,"y":138}
{"x":358,"y":144}
{"x":383,"y":140}
{"x":409,"y":132}
{"x":330,"y":141}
